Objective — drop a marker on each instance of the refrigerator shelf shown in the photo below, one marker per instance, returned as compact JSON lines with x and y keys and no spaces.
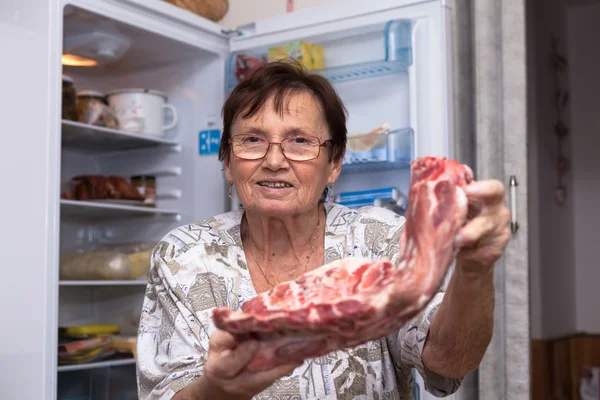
{"x":132,"y":282}
{"x":99,"y":364}
{"x":91,"y":210}
{"x":79,"y":136}
{"x":375,"y":152}
{"x":374,"y":166}
{"x":362,"y":71}
{"x":390,"y":52}
{"x":338,"y":74}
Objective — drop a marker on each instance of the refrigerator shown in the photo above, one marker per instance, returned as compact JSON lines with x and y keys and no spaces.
{"x":390,"y":61}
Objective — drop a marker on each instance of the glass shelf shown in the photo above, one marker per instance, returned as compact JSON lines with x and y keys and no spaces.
{"x":132,"y":282}
{"x":96,"y":210}
{"x":117,"y":362}
{"x":89,"y":138}
{"x":376,"y":152}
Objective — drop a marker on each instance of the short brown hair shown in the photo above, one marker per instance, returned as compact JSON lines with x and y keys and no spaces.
{"x":280,"y":79}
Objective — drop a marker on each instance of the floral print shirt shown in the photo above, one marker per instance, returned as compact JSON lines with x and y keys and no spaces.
{"x":198,"y":267}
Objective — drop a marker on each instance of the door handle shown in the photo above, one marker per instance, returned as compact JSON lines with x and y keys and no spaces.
{"x":514,"y":223}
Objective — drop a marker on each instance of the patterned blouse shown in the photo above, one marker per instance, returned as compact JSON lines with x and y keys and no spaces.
{"x":198,"y":267}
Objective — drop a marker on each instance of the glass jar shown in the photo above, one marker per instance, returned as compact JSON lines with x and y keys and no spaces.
{"x":92,"y":109}
{"x":146,"y":186}
{"x":69,"y":99}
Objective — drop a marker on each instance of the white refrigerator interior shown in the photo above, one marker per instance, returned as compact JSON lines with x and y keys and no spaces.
{"x":388,"y":60}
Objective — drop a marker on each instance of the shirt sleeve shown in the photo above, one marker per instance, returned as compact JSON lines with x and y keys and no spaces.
{"x":171,"y":351}
{"x":406,"y":345}
{"x":406,"y":348}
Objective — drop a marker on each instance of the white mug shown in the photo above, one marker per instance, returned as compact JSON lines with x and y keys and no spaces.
{"x":141,"y":110}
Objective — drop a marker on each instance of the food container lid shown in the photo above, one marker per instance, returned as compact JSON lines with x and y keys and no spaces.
{"x":138,"y":90}
{"x":90,"y":93}
{"x":67,"y":78}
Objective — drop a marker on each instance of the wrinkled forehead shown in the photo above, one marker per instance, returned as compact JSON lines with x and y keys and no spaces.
{"x":287,"y":102}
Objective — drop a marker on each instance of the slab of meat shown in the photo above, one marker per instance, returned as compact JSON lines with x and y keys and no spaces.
{"x":351,"y":301}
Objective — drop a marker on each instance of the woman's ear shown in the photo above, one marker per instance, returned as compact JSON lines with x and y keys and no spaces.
{"x":336,"y":170}
{"x":228,"y":174}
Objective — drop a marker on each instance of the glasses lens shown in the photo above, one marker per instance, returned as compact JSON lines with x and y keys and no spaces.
{"x":249,"y":147}
{"x":301,"y":148}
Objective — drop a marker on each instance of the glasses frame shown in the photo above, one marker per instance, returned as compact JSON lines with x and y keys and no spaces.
{"x":326,"y":143}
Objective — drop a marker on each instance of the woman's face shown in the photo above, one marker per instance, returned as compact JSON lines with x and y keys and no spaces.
{"x":274,"y":185}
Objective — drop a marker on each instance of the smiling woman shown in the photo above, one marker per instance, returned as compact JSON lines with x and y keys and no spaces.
{"x":277,"y":166}
{"x":283,"y":141}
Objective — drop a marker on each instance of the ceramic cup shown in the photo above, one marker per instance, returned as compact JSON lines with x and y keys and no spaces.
{"x":141,"y":110}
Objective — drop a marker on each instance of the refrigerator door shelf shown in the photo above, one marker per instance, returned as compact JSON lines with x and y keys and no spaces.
{"x":370,"y":152}
{"x":390,"y":53}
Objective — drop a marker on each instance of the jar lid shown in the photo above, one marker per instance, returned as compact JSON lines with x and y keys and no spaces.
{"x":67,"y":78}
{"x":90,"y":93}
{"x":138,"y":90}
{"x":148,"y":177}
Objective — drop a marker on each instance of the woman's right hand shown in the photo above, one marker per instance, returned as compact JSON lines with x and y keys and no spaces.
{"x":226,"y":369}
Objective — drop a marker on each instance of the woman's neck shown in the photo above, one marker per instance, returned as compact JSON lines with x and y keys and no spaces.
{"x":275,"y":236}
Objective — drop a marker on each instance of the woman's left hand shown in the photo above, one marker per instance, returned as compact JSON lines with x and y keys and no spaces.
{"x":483,"y":239}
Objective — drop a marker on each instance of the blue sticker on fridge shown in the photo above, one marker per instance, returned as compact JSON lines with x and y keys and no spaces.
{"x":208,"y":142}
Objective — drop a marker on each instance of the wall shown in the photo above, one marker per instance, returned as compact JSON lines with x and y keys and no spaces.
{"x":584,"y":29}
{"x":245,"y":11}
{"x":553,"y":248}
{"x":563,"y":265}
{"x":535,"y":291}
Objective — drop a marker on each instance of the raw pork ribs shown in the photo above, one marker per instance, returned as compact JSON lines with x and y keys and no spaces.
{"x":351,"y":301}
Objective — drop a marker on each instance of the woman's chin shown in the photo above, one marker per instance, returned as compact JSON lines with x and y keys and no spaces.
{"x":271,"y":207}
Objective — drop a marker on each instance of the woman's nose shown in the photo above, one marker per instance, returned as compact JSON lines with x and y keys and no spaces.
{"x":274,"y":159}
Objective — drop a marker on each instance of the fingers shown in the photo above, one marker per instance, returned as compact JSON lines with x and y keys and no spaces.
{"x":221,"y":340}
{"x":226,"y":357}
{"x":471,"y":233}
{"x":490,"y":190}
{"x":230,"y":363}
{"x":275,"y":373}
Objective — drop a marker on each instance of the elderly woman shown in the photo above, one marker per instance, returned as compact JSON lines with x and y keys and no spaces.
{"x":284,"y":135}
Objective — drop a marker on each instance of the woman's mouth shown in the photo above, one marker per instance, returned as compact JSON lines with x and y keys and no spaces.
{"x":275,"y":185}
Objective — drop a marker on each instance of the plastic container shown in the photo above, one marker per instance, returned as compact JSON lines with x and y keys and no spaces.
{"x":394,"y":148}
{"x":398,"y":42}
{"x":87,"y":331}
{"x":106,"y":262}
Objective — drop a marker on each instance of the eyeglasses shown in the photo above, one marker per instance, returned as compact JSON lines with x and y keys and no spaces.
{"x":296,"y":148}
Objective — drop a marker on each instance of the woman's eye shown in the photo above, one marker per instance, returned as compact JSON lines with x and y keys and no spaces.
{"x":252,"y":139}
{"x":300,"y":140}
